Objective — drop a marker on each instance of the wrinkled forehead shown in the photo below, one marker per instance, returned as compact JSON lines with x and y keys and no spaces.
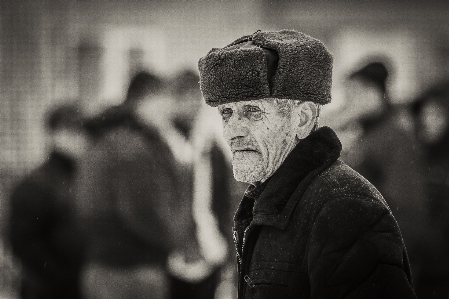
{"x":266,"y":103}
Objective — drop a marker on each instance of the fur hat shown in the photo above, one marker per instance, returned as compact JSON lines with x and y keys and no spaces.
{"x":283,"y":64}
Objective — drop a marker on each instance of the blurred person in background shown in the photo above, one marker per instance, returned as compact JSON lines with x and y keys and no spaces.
{"x":211,"y":186}
{"x":431,"y":111}
{"x":386,"y":151}
{"x":44,"y":233}
{"x":131,"y":197}
{"x":308,"y":226}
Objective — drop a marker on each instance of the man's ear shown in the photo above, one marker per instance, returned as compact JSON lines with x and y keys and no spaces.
{"x":306,"y":116}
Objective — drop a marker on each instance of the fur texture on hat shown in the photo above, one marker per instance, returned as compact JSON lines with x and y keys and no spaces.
{"x":238,"y":72}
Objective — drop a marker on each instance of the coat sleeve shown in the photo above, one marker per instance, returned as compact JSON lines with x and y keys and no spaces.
{"x":31,"y":223}
{"x":356,"y":251}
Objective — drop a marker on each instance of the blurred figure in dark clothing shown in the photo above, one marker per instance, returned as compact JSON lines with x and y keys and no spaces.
{"x":431,"y":113}
{"x":130,"y":197}
{"x":43,"y":231}
{"x":212,"y":188}
{"x":386,"y":152}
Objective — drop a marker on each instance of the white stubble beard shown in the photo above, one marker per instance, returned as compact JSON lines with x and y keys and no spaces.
{"x":248,"y":167}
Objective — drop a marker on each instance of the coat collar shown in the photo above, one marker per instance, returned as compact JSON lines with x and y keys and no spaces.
{"x":279,"y":197}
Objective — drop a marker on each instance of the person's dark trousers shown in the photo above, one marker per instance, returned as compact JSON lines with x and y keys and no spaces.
{"x":204,"y":289}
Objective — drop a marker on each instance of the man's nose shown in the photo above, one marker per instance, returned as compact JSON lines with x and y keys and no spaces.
{"x":235,"y":127}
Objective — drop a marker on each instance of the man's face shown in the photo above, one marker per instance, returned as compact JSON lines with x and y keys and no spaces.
{"x":260,"y":137}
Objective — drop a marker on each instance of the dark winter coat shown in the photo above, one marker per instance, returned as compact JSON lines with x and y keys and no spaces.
{"x":43,"y":232}
{"x":319,"y":230}
{"x":130,"y":195}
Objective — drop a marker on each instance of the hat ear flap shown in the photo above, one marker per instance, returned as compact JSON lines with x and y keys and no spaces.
{"x":272,"y":66}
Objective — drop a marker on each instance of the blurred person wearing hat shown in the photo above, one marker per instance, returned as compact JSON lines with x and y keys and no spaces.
{"x":131,"y":196}
{"x":210,"y":186}
{"x":308,"y":225}
{"x":43,"y":230}
{"x":431,"y":114}
{"x":386,"y":151}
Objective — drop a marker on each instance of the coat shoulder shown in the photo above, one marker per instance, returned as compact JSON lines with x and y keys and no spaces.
{"x":125,"y":141}
{"x":354,"y":239}
{"x":341,"y":181}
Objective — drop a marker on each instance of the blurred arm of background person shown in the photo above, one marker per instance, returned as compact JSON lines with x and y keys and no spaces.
{"x":215,"y":198}
{"x":43,"y":231}
{"x":211,"y":188}
{"x":190,"y":120}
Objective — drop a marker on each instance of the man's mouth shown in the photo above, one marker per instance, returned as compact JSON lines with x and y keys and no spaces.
{"x":243,"y":150}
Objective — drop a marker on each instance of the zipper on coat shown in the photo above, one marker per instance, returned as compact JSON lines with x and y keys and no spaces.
{"x":237,"y":247}
{"x":249,"y":281}
{"x":249,"y":241}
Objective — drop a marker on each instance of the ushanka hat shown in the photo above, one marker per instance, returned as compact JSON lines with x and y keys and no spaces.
{"x":283,"y":64}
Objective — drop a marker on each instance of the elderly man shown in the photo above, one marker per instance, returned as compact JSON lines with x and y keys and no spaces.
{"x":308,"y":226}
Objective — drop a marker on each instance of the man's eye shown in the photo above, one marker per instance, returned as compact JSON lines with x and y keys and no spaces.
{"x":226,"y":113}
{"x":253,"y":109}
{"x":254,"y":113}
